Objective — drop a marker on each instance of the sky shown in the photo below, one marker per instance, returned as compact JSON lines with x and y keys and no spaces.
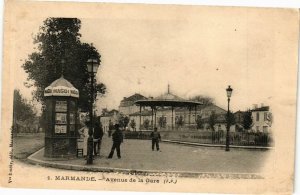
{"x":197,"y":51}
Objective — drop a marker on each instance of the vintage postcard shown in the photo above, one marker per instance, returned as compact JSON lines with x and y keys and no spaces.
{"x":141,"y":97}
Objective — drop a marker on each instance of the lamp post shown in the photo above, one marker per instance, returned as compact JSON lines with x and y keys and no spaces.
{"x":229,"y":92}
{"x":92,"y":65}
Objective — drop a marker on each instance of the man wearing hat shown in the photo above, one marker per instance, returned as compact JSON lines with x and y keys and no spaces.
{"x":117,"y":138}
{"x":155,"y":139}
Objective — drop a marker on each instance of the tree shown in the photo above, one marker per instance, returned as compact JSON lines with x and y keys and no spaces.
{"x":123,"y":121}
{"x":23,"y":112}
{"x":104,"y":111}
{"x":59,"y":39}
{"x":206,"y":100}
{"x":146,"y":123}
{"x":132,"y":124}
{"x":231,"y":118}
{"x":179,"y":121}
{"x":212,"y":121}
{"x":162,"y":121}
{"x":22,"y":109}
{"x":247,"y":120}
{"x":199,"y":122}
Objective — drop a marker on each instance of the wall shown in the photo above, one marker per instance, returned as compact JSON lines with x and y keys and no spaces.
{"x":260,"y":125}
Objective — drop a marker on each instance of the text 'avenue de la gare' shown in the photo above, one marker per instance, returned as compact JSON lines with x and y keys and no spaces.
{"x":113,"y":180}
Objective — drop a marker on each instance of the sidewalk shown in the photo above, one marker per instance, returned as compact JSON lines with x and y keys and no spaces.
{"x":137,"y":156}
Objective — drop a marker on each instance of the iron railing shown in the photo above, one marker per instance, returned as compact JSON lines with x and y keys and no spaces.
{"x":208,"y":137}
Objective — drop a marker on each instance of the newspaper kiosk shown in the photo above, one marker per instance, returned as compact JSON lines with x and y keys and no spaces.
{"x":61,"y":119}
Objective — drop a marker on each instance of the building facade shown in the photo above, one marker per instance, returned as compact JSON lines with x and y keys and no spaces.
{"x":127,"y":105}
{"x":262,"y":119}
{"x":185,"y":117}
{"x":109,"y":118}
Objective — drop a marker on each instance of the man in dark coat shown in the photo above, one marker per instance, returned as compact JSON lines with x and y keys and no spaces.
{"x":117,"y":137}
{"x":98,"y":134}
{"x":155,"y":136}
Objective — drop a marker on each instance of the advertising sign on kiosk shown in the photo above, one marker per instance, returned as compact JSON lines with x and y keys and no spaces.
{"x":61,"y":119}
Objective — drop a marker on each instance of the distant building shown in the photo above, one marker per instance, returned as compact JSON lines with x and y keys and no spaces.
{"x":220,"y":123}
{"x":239,"y":117}
{"x":205,"y":114}
{"x":107,"y":118}
{"x":207,"y":111}
{"x":262,"y":119}
{"x":202,"y":112}
{"x":127,"y":105}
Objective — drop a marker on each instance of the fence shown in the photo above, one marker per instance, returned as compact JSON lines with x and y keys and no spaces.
{"x":208,"y":137}
{"x":137,"y":135}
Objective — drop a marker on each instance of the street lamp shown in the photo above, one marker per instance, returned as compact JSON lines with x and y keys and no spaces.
{"x":92,"y":66}
{"x":229,"y":92}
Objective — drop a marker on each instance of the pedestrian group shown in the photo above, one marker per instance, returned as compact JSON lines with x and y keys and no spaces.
{"x":117,"y":138}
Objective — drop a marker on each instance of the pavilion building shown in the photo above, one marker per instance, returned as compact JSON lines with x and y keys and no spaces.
{"x":170,"y":112}
{"x":163,"y":111}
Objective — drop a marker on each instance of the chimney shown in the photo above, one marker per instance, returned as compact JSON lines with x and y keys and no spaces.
{"x":254,"y":106}
{"x":262,"y":105}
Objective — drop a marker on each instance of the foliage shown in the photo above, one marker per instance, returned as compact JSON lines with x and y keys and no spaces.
{"x":123,"y":121}
{"x":146,"y":124}
{"x":104,"y":111}
{"x":23,"y":112}
{"x":132,"y":124}
{"x":269,"y":118}
{"x":42,"y":119}
{"x":59,"y":39}
{"x":162,"y":121}
{"x":247,"y":120}
{"x":262,"y":139}
{"x":212,"y":121}
{"x":179,"y":121}
{"x":231,"y":118}
{"x":22,"y":109}
{"x":199,"y":122}
{"x":206,"y":100}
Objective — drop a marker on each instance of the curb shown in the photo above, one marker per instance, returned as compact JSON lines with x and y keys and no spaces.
{"x":32,"y":160}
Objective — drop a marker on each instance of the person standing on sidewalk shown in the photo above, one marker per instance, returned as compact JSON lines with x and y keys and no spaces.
{"x":83,"y":137}
{"x":155,"y":136}
{"x":98,"y":134}
{"x":117,"y":137}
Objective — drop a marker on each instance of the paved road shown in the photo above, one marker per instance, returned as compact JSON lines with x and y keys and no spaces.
{"x":138,"y":155}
